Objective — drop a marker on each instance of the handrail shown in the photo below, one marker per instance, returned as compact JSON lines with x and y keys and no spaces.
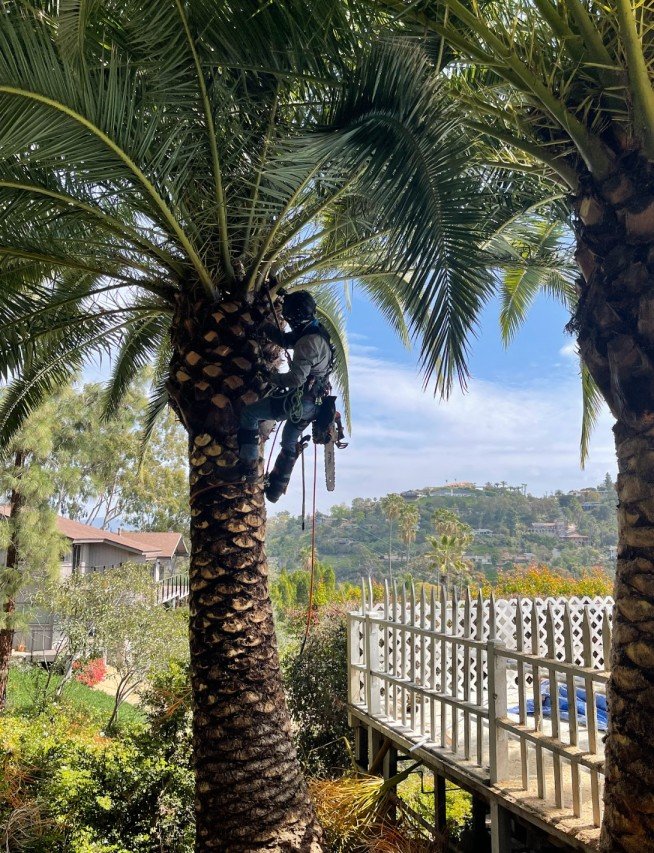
{"x":457,"y":674}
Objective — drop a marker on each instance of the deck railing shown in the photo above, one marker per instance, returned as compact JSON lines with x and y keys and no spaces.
{"x":490,"y":682}
{"x":174,"y":588}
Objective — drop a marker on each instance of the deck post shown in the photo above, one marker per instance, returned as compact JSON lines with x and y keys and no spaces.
{"x":372,"y":667}
{"x":390,"y":762}
{"x":375,"y":744}
{"x":389,"y":769}
{"x":500,"y":828}
{"x":353,"y":689}
{"x":440,"y":804}
{"x":479,"y":812}
{"x":498,"y":738}
{"x":361,"y":746}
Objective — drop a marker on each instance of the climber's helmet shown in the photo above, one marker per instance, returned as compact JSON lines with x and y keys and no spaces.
{"x":299,"y":308}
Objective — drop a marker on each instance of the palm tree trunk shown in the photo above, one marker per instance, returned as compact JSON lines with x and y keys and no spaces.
{"x":629,"y":793}
{"x":615,"y":322}
{"x":9,"y":604}
{"x":250,"y":792}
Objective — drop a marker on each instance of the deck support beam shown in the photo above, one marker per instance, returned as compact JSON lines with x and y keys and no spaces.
{"x":500,"y":828}
{"x":479,"y":812}
{"x":440,"y":804}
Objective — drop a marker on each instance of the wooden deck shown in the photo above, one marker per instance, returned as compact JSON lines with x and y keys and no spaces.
{"x":429,"y":674}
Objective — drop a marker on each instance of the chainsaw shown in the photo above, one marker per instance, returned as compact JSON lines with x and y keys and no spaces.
{"x":327,"y":429}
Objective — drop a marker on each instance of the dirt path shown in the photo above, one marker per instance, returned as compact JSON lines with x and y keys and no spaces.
{"x":109,"y":684}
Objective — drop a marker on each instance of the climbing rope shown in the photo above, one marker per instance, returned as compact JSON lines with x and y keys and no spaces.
{"x":304,"y":491}
{"x":272,"y":447}
{"x":313,"y":551}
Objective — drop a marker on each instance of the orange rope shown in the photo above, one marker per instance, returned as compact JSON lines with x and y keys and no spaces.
{"x":313,"y":548}
{"x":272,"y":447}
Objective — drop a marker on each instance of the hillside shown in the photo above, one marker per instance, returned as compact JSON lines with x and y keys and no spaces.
{"x":573,"y":530}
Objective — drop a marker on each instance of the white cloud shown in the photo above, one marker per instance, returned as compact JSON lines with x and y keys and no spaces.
{"x":405,"y":438}
{"x":570,"y":350}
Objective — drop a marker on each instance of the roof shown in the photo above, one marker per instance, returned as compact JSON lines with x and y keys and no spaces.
{"x":168,"y":544}
{"x":150,"y":545}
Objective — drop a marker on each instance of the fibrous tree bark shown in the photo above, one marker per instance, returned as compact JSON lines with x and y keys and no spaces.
{"x":252,"y":795}
{"x":615,"y":323}
{"x":9,"y":603}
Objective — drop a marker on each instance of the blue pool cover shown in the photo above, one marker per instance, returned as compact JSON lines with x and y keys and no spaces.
{"x":580,"y":694}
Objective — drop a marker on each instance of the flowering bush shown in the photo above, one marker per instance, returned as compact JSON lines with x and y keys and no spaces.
{"x":90,"y":672}
{"x":542,"y":581}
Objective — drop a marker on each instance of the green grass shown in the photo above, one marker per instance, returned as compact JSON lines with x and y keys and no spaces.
{"x":26,"y":686}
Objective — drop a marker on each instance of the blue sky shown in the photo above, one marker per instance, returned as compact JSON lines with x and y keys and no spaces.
{"x":519,"y":420}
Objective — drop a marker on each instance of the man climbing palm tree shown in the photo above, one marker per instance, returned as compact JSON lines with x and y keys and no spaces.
{"x":296,"y":396}
{"x":158,"y":161}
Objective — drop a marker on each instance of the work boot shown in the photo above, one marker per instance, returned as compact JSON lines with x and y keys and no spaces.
{"x":248,"y":469}
{"x":280,"y":476}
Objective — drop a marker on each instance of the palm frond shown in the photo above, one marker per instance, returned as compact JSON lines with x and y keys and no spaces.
{"x":592,"y":402}
{"x":389,"y":137}
{"x":140,"y":344}
{"x":535,"y":259}
{"x":157,"y":405}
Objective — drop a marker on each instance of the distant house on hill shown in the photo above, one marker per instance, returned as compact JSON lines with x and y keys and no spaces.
{"x":550,"y":528}
{"x":560,"y":529}
{"x":461,"y":489}
{"x":92,"y":548}
{"x":575,"y":538}
{"x":479,"y":559}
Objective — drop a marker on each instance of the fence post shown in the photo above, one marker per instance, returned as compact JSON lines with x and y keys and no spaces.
{"x":498,"y":738}
{"x":353,"y":695}
{"x":372,"y":665}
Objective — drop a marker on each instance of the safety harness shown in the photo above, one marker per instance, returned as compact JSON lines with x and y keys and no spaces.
{"x":289,"y":404}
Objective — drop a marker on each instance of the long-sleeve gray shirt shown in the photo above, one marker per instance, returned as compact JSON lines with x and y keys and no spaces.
{"x":311,"y":357}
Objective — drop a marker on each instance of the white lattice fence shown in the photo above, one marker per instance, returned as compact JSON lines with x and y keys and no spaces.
{"x":468,"y":674}
{"x":483,"y":619}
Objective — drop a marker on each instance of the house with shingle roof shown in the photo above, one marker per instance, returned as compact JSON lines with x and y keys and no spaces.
{"x":93,"y":549}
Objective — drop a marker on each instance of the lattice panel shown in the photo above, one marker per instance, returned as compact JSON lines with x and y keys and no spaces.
{"x":506,"y":628}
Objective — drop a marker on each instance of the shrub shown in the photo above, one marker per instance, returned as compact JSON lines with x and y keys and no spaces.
{"x":87,"y":792}
{"x":316,"y":688}
{"x":90,"y":672}
{"x":542,"y":581}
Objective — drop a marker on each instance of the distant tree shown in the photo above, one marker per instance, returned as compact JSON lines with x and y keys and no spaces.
{"x":101,"y":473}
{"x":282,"y":591}
{"x":115,"y":613}
{"x":29,"y":536}
{"x":392,"y":506}
{"x":408,"y":524}
{"x":448,"y":547}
